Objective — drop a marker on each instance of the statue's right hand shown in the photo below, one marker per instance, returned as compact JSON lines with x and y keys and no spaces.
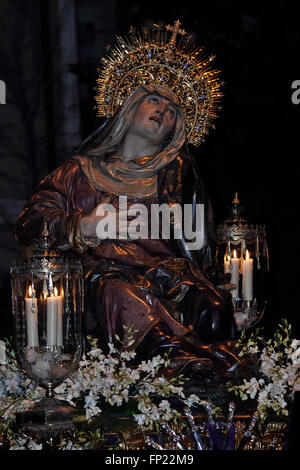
{"x":91,"y":228}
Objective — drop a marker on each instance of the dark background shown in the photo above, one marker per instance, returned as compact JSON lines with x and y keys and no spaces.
{"x":49,"y":53}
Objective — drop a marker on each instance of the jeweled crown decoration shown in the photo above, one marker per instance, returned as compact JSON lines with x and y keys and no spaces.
{"x":164,"y":55}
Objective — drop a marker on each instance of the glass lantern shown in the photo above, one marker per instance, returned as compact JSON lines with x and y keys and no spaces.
{"x":47,"y":302}
{"x":242,"y":252}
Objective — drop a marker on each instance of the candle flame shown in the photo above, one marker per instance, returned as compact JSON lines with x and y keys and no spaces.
{"x":247,"y":254}
{"x":55,"y":291}
{"x":30,"y":291}
{"x":234,"y":254}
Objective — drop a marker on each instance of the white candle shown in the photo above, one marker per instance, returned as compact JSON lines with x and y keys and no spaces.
{"x":226,"y":264}
{"x":52,"y":315}
{"x":45,"y":289}
{"x":235,"y":274}
{"x":248,"y":277}
{"x":60,"y":305}
{"x":31,"y":320}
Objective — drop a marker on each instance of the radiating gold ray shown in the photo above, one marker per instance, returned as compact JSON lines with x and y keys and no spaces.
{"x":150,"y":57}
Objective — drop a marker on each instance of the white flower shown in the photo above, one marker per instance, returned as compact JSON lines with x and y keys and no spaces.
{"x":251,"y":387}
{"x":90,"y":400}
{"x":165,"y":407}
{"x":295,"y":356}
{"x":92,"y":411}
{"x":140,"y":419}
{"x":192,"y":400}
{"x":128,"y":355}
{"x":157,"y":360}
{"x":112,"y":349}
{"x":164,"y":404}
{"x":3,"y":359}
{"x":33,"y":445}
{"x":151,"y":365}
{"x":69,"y":446}
{"x":134,"y":375}
{"x":143,"y":407}
{"x":268,"y":364}
{"x":295,"y":343}
{"x":118,"y":400}
{"x":96,"y":353}
{"x":20,"y":444}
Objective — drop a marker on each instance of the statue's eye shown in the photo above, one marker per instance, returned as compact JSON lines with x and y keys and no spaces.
{"x":154,"y":99}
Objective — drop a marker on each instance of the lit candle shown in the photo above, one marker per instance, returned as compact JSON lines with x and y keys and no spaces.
{"x":248,"y":277}
{"x":52,"y":314}
{"x":43,"y":309}
{"x":45,"y":289}
{"x":235,"y":274}
{"x":60,"y":305}
{"x":226,"y":264}
{"x":31,"y":319}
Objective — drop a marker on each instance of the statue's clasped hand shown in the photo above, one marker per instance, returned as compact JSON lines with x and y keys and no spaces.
{"x":105,"y":221}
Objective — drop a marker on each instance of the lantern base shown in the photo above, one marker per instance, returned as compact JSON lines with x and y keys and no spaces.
{"x":248,"y":314}
{"x":47,"y":419}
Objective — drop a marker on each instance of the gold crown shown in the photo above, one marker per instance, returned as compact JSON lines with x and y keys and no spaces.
{"x":156,"y":56}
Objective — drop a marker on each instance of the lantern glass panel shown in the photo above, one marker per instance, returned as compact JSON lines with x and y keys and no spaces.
{"x":47,"y":300}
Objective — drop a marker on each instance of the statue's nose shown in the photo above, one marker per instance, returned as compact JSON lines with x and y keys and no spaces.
{"x":160,"y":111}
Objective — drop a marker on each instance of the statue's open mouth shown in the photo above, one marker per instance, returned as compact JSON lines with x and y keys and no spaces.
{"x":155,"y":119}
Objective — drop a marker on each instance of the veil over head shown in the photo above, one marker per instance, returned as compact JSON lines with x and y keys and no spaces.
{"x":109,"y":171}
{"x":111,"y":132}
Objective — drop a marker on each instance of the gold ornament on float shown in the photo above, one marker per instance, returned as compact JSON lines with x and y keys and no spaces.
{"x":158,"y":57}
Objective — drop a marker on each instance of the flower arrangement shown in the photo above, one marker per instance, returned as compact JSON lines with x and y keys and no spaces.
{"x":102,"y":384}
{"x":17,"y":393}
{"x":275,"y":365}
{"x":116,"y":383}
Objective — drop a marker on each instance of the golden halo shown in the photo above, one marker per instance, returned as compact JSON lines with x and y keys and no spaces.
{"x":156,"y":57}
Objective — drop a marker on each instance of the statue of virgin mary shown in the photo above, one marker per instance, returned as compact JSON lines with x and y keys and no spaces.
{"x":158,"y":291}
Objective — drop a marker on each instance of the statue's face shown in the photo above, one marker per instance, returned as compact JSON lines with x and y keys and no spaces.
{"x":154,"y":118}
